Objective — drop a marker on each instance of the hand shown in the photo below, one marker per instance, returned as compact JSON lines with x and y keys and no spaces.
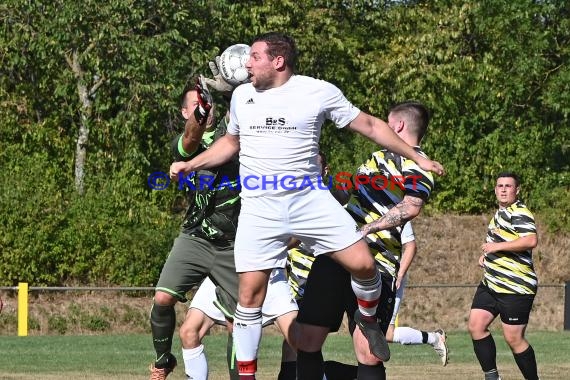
{"x":482,"y":261}
{"x":432,"y":166}
{"x":364,"y":230}
{"x":218,"y":83}
{"x":205,"y":101}
{"x":179,"y":167}
{"x":489,"y":248}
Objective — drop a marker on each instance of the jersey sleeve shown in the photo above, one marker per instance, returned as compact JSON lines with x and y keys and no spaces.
{"x":407,"y":234}
{"x":417,"y":182}
{"x":523,"y":222}
{"x":178,"y":152}
{"x":337,"y":107}
{"x":233,"y":126}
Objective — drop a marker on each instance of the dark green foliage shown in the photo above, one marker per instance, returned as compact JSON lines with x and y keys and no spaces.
{"x":95,"y":323}
{"x":494,"y":73}
{"x":57,"y":325}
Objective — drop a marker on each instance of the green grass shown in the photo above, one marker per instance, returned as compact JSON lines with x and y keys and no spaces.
{"x":128,"y":356}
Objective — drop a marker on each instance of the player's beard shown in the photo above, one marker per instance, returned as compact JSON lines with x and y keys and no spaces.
{"x":262,"y":81}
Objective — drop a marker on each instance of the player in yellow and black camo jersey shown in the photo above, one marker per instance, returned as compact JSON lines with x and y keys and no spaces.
{"x":388,"y":191}
{"x":299,"y":264}
{"x":509,"y":282}
{"x":507,"y":271}
{"x":381,"y":209}
{"x":390,"y":178}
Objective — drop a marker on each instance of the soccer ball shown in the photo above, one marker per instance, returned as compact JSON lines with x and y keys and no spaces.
{"x":232,"y":64}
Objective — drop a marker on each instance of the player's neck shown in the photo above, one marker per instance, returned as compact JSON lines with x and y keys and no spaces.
{"x":282,"y":79}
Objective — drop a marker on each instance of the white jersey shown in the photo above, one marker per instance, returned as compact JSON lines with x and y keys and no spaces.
{"x":407,"y":234}
{"x":279,"y":131}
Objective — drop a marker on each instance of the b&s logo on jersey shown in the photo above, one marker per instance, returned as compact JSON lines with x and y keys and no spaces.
{"x":272,"y":121}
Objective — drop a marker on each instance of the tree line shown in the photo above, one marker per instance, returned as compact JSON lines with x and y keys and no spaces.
{"x":89,"y":94}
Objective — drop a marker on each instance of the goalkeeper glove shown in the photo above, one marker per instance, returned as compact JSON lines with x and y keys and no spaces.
{"x":205,"y":101}
{"x":218,"y":83}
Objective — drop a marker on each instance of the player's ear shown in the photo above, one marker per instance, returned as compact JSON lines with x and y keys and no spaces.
{"x":185,"y":113}
{"x":279,"y":62}
{"x":401,"y":124}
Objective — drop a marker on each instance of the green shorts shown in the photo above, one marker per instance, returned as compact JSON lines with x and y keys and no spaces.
{"x":191,"y":260}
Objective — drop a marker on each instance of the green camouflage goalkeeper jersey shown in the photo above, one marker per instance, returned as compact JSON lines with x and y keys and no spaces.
{"x":506,"y":271}
{"x":213,"y":195}
{"x":390,"y":178}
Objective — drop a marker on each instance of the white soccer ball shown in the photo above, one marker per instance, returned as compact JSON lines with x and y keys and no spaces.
{"x":232,"y":64}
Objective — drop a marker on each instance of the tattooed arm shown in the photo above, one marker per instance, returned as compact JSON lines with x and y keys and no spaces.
{"x":407,"y":209}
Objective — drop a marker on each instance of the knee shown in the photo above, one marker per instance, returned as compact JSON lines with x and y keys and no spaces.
{"x":164,"y":299}
{"x":310,"y":338}
{"x":252,"y":296}
{"x":363,"y":269}
{"x":364,"y":266}
{"x":472,"y":328}
{"x":477,"y":328}
{"x":517,"y":343}
{"x":189,"y":335}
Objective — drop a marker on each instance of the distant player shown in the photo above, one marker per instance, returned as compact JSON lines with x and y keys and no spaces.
{"x":509,"y":282}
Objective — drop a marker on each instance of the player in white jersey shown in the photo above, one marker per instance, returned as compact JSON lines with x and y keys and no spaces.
{"x":275,"y":124}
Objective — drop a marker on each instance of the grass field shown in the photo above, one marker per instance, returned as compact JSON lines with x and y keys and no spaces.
{"x":126,"y":357}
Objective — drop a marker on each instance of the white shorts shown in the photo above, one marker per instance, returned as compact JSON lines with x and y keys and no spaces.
{"x":266,"y":223}
{"x":399,"y":299}
{"x":278,"y":301}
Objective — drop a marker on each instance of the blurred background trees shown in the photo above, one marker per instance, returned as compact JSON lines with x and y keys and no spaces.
{"x":89,"y":93}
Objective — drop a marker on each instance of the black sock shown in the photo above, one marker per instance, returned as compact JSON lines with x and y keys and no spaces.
{"x":309,"y":365}
{"x":486,"y":353}
{"x":288,"y":371}
{"x":527,"y":363}
{"x":340,"y":371}
{"x":231,"y":359}
{"x":162,"y":325}
{"x":371,"y":372}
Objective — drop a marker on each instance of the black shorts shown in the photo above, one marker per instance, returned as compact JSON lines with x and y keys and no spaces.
{"x":328,"y":295}
{"x":514,"y":309}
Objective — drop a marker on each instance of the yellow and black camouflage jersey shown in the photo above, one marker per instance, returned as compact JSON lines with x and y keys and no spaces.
{"x":390,"y":177}
{"x":506,"y":271}
{"x":299,"y":262}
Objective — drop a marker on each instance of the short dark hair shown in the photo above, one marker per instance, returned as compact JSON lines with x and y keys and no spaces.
{"x":416,"y":114}
{"x":323,"y":158}
{"x":509,"y":175}
{"x":189,"y":86}
{"x":280,"y":44}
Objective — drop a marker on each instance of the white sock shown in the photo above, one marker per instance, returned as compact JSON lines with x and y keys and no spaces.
{"x":195,"y":363}
{"x":367,"y":292}
{"x":407,"y":335}
{"x":247,"y":332}
{"x":432,"y":339}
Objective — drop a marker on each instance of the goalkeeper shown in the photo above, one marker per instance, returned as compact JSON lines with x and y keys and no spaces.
{"x":205,"y":244}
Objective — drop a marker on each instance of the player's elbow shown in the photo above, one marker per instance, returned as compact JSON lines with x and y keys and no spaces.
{"x":412,"y":211}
